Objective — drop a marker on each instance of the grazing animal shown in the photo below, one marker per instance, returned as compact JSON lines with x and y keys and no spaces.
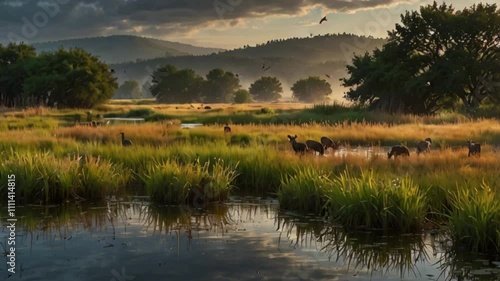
{"x":297,"y":146}
{"x":424,"y":146}
{"x":474,"y":148}
{"x":227,"y":129}
{"x":125,"y":142}
{"x":328,"y":142}
{"x":322,"y":20}
{"x":399,"y":150}
{"x":316,"y":146}
{"x":208,"y":107}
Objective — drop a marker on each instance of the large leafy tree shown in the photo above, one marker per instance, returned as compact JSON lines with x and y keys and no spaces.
{"x":13,"y":60}
{"x":66,"y":78}
{"x":434,"y":58}
{"x":266,"y":89}
{"x":69,"y":78}
{"x":130,"y":89}
{"x":312,"y":89}
{"x":220,"y":86}
{"x":171,"y":85}
{"x":242,"y":96}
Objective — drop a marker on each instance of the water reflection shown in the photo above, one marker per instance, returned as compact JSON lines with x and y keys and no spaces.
{"x":242,"y":240}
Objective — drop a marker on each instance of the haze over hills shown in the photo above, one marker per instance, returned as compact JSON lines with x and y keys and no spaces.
{"x":289,"y":60}
{"x":125,"y":48}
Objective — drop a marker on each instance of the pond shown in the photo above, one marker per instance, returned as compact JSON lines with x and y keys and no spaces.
{"x":244,"y":239}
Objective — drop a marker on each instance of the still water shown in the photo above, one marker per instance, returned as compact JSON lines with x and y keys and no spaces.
{"x":245,"y":239}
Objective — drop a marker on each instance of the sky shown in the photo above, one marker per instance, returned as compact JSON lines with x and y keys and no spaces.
{"x":224,"y":24}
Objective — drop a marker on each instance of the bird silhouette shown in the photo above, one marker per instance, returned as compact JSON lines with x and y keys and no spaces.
{"x":112,"y":70}
{"x":263,"y":66}
{"x":125,"y":142}
{"x":267,"y":68}
{"x":322,"y":20}
{"x":328,"y":75}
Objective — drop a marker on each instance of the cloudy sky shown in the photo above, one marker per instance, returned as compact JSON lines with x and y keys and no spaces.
{"x":212,"y":23}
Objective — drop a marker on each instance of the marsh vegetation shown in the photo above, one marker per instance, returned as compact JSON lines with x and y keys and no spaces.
{"x":70,"y":163}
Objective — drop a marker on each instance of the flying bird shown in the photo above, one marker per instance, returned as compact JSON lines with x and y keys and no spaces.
{"x":322,"y":20}
{"x":267,"y":68}
{"x":328,"y":75}
{"x":263,"y":65}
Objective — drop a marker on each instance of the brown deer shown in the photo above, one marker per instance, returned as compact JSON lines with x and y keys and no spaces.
{"x":297,"y":146}
{"x":316,"y":146}
{"x":399,"y":150}
{"x":424,"y":146}
{"x":328,"y":142}
{"x":474,"y":148}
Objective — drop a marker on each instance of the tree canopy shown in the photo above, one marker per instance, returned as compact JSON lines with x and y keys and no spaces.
{"x":266,"y":89}
{"x":220,"y":86}
{"x":434,"y":59}
{"x":171,"y":85}
{"x":242,"y":96}
{"x":64,"y":78}
{"x":130,"y":89}
{"x":312,"y":89}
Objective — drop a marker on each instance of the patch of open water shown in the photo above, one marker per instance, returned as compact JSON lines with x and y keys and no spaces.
{"x":244,"y":239}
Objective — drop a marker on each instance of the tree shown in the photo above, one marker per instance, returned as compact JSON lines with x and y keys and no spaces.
{"x":220,"y":86}
{"x":242,"y":96}
{"x":69,"y":78}
{"x":130,"y":89}
{"x":266,"y":89}
{"x":171,"y":85}
{"x":434,"y":58}
{"x":66,"y":78}
{"x":13,"y":59}
{"x":312,"y":89}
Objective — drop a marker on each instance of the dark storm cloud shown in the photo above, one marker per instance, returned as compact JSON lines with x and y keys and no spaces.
{"x":37,"y":20}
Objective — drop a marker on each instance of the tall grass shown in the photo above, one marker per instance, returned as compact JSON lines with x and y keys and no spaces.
{"x":173,"y":183}
{"x":372,"y":201}
{"x":43,"y":178}
{"x":305,"y":190}
{"x":474,"y":218}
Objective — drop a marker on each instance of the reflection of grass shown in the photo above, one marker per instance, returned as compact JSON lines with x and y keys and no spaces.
{"x":398,"y":254}
{"x":358,"y":251}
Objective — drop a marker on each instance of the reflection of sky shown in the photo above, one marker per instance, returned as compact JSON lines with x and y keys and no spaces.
{"x":90,"y":245}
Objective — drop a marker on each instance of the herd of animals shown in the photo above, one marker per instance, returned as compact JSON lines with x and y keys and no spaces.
{"x":423,"y":146}
{"x":399,"y":150}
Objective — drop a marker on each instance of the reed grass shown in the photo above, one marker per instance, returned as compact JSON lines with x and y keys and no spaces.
{"x":173,"y":184}
{"x":372,"y":201}
{"x":305,"y":190}
{"x":474,"y":218}
{"x":258,"y":160}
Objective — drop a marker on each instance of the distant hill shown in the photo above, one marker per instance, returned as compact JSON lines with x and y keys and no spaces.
{"x":290,"y":60}
{"x":333,"y":47}
{"x":125,"y":48}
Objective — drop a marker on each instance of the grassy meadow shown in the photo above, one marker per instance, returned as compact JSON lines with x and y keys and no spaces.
{"x":56,"y":161}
